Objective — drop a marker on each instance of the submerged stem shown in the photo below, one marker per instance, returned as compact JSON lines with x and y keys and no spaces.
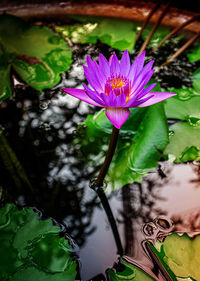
{"x":97,"y":186}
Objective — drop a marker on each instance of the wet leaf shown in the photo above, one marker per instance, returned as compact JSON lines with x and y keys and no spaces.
{"x":184,"y":142}
{"x":180,"y":254}
{"x":119,"y":34}
{"x":32,"y":249}
{"x":194,"y":54}
{"x":37,"y":54}
{"x":131,"y":272}
{"x":183,"y":106}
{"x":184,"y":136}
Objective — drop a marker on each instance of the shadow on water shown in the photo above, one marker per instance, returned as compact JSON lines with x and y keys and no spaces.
{"x":41,"y":128}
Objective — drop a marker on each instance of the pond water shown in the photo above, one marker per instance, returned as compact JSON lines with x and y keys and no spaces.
{"x":41,"y":128}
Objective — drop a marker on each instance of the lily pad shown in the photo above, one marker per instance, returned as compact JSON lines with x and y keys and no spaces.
{"x":180,"y":254}
{"x":183,"y":106}
{"x":119,"y":34}
{"x":32,"y":249}
{"x":37,"y":54}
{"x":184,"y":142}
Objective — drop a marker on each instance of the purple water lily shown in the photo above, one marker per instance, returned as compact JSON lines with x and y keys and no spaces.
{"x":117,"y":86}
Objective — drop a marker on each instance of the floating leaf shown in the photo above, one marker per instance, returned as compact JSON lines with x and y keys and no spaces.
{"x":184,"y":141}
{"x":32,"y":249}
{"x":183,"y":106}
{"x":131,"y":272}
{"x":194,"y":54}
{"x":37,"y":54}
{"x":180,"y":254}
{"x":184,"y":136}
{"x":119,"y":34}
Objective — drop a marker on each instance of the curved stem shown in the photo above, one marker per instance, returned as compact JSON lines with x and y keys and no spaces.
{"x":97,"y":186}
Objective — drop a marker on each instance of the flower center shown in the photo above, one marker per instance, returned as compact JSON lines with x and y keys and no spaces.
{"x":117,"y":82}
{"x":118,"y":85}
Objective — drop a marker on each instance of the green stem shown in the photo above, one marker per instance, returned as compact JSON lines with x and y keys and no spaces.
{"x":97,"y":187}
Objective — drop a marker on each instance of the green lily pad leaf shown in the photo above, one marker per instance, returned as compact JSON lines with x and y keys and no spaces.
{"x":38,"y":54}
{"x":159,"y":34}
{"x":180,"y":254}
{"x":142,"y":139}
{"x":184,"y":142}
{"x":184,"y":136}
{"x":118,"y":34}
{"x":194,"y":54}
{"x":183,"y":106}
{"x":131,"y":272}
{"x":31,"y":248}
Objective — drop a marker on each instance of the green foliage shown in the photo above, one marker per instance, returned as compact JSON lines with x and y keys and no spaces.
{"x":194,"y":54}
{"x":37,"y":54}
{"x":130,"y":273}
{"x":31,"y":248}
{"x":184,"y":142}
{"x":183,"y":106}
{"x":180,"y":254}
{"x":184,"y":136}
{"x":143,"y":137}
{"x":119,"y":34}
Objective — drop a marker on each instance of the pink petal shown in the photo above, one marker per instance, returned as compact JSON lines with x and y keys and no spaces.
{"x":81,"y":95}
{"x":114,"y":66}
{"x":93,"y":95}
{"x":91,"y":77}
{"x":104,"y":65}
{"x":125,"y":64}
{"x":117,"y":116}
{"x":136,"y":67}
{"x":157,"y":97}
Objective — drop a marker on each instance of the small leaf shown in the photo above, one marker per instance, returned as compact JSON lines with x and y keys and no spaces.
{"x":38,"y":54}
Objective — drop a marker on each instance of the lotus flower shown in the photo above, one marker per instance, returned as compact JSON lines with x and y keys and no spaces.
{"x":118,"y":86}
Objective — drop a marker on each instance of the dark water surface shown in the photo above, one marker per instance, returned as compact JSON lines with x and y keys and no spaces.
{"x":40,"y":128}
